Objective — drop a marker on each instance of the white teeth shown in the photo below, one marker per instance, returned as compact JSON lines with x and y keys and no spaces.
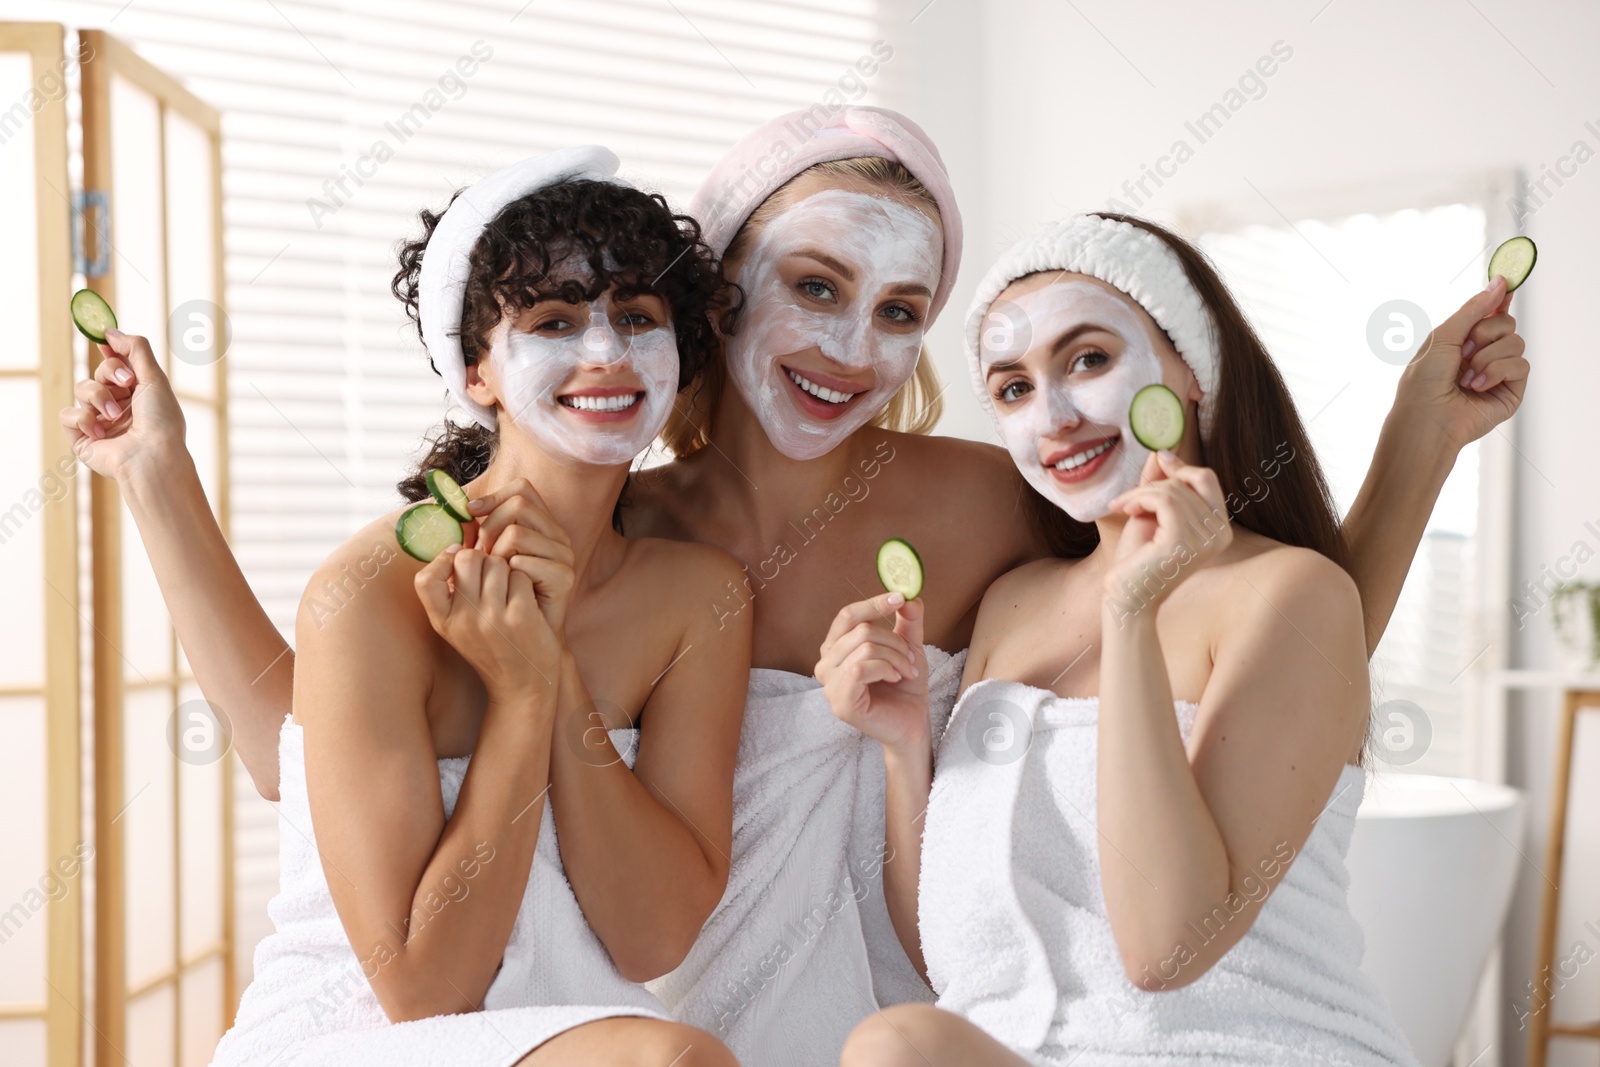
{"x":601,"y":403}
{"x":1078,"y":459}
{"x":832,"y":396}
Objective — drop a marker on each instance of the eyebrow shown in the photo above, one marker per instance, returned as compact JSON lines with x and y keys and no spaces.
{"x":899,"y":289}
{"x":1061,"y":342}
{"x":828,"y":261}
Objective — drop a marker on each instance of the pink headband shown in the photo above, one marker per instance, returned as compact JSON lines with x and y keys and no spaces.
{"x":753,"y":169}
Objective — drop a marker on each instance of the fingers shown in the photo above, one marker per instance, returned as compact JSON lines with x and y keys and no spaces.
{"x":549,"y":577}
{"x":879,"y":609}
{"x":518,"y":540}
{"x":1474,"y":372}
{"x":107,"y":403}
{"x":1513,"y":370}
{"x":518,"y":504}
{"x":432,"y":583}
{"x":81,"y":424}
{"x":868,"y":640}
{"x":113,"y":371}
{"x":135,"y":352}
{"x":496,"y":579}
{"x":1453,"y":331}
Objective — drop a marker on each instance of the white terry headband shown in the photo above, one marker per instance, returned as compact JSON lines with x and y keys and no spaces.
{"x":442,"y":281}
{"x":1126,"y":257}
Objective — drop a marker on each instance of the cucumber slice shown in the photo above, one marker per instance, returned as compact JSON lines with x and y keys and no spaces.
{"x":448,"y":492}
{"x":427,"y":530}
{"x":1514,"y":260}
{"x":1156,"y":417}
{"x":900,"y":568}
{"x":92,"y":315}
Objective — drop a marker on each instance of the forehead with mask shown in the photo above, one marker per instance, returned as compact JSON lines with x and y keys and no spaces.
{"x":838,"y":271}
{"x":1062,"y":356}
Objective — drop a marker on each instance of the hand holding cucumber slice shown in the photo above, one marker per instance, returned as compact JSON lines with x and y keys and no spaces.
{"x":1514,"y":261}
{"x":429,"y":528}
{"x":92,"y":315}
{"x":1156,"y":417}
{"x":900,"y":568}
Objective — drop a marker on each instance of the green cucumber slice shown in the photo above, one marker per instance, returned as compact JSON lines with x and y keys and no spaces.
{"x":427,"y":530}
{"x":448,"y":492}
{"x":1514,"y":261}
{"x":900,"y":568}
{"x":1156,"y":417}
{"x":92,"y":315}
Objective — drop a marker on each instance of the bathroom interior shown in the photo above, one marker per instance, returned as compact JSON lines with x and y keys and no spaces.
{"x":1387,"y":152}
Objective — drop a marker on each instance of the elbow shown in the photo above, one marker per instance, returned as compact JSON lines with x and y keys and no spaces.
{"x":405,"y":1001}
{"x":1163,"y":972}
{"x":655,"y":956}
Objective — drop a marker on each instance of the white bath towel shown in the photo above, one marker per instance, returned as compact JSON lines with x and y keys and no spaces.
{"x":1016,"y":938}
{"x":801,"y":949}
{"x":310,"y":1003}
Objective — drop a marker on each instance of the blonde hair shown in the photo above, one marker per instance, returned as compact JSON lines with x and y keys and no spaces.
{"x":918,"y":404}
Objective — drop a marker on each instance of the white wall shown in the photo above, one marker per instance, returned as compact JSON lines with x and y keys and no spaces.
{"x":1044,"y":108}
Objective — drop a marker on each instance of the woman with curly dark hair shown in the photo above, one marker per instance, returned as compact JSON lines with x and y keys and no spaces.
{"x":445,"y":724}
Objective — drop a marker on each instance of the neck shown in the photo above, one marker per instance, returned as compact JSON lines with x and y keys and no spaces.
{"x":770,"y":486}
{"x":580,"y":498}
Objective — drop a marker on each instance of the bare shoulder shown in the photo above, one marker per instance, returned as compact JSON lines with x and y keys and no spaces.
{"x":1018,"y":596}
{"x":975,"y":465}
{"x":367,"y":580}
{"x":1287,"y":575}
{"x":688,"y":574}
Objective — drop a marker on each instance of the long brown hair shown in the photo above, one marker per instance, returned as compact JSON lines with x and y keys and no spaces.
{"x":1257,"y":444}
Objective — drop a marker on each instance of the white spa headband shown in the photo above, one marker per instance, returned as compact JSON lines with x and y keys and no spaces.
{"x":442,"y":282}
{"x":1126,"y":257}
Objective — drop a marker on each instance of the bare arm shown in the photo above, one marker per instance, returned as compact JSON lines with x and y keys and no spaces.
{"x":1193,"y":840}
{"x":874,"y":670}
{"x":389,"y":854}
{"x":1433,"y":418}
{"x":240,"y":661}
{"x":646,"y":849}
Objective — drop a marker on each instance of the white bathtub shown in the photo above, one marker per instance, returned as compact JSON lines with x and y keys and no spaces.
{"x":1432,"y":864}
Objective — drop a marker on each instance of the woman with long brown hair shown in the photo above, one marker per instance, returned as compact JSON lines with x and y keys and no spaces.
{"x":1086,"y":878}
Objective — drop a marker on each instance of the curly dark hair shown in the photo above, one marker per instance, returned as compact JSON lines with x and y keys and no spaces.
{"x":648,"y":249}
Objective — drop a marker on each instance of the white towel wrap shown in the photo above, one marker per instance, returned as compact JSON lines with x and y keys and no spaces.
{"x":311,"y":1006}
{"x":1016,"y":938}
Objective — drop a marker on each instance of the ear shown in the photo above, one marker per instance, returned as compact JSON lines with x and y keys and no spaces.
{"x":478,"y":388}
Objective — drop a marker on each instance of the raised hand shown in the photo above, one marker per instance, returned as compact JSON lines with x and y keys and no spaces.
{"x":874,"y":671}
{"x":1177,"y":520}
{"x":1470,"y":374}
{"x":126,"y":414}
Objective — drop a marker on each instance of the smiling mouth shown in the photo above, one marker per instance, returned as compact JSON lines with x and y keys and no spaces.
{"x":1078,"y":459}
{"x":827,"y":396}
{"x":605,"y":405}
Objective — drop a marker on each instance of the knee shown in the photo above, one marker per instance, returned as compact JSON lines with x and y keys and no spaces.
{"x":899,"y":1036}
{"x":683,"y":1046}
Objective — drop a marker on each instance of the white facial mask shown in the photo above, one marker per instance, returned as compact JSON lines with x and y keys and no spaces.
{"x":533,"y":371}
{"x":1054,"y":409}
{"x":885,"y":243}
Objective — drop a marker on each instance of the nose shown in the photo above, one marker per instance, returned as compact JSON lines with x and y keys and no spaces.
{"x":600,"y":345}
{"x":1061,"y":413}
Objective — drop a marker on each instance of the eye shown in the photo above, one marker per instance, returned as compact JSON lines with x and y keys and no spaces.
{"x":901,"y":313}
{"x":819,"y":289}
{"x":637,"y":321}
{"x":556,"y":324}
{"x":1088,"y":360}
{"x":1014,"y":390}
